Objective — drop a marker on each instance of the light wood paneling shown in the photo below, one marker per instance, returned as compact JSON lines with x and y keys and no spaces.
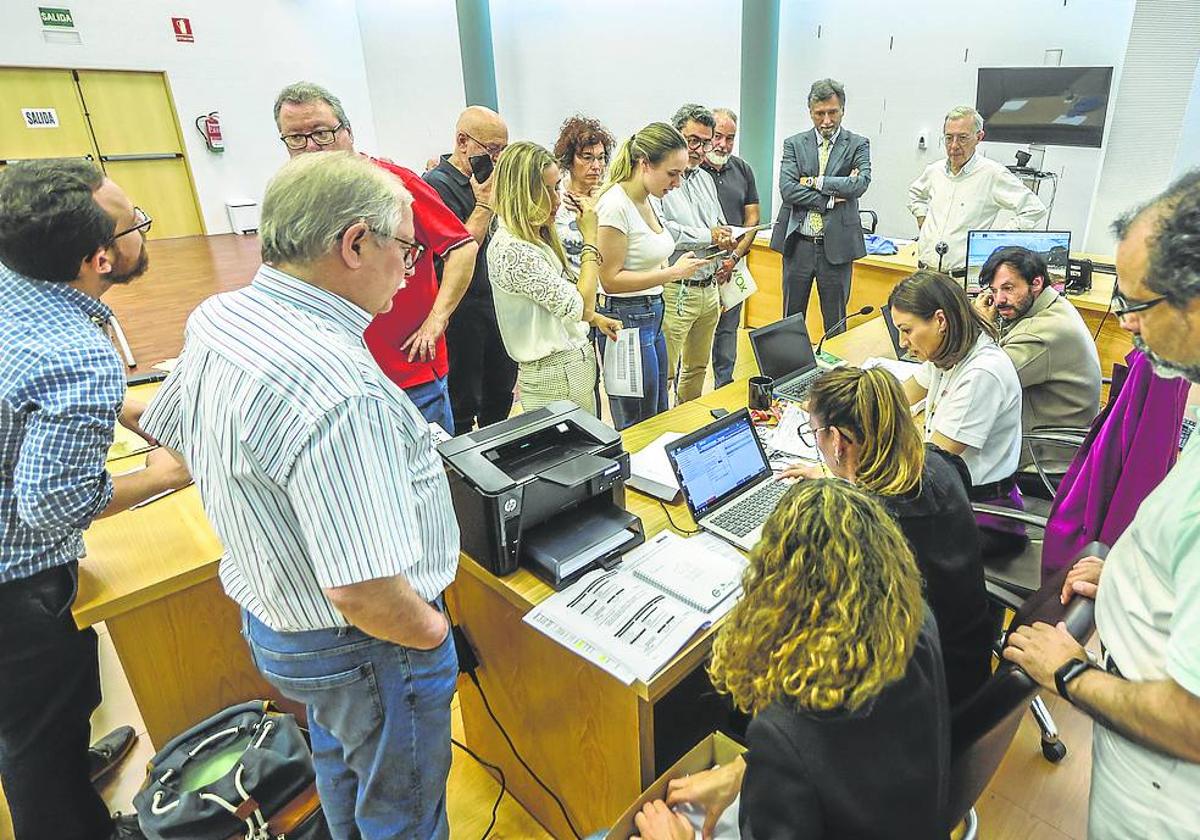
{"x":37,"y":88}
{"x":131,"y":113}
{"x":163,"y":188}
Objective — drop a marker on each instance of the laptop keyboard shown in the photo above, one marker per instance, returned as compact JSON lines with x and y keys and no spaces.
{"x":797,"y":390}
{"x":752,"y":510}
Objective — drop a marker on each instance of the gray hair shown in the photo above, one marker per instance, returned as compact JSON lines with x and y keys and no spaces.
{"x":960,"y":111}
{"x":726,"y":113}
{"x":302,"y":93}
{"x":313,"y":199}
{"x":695,"y":113}
{"x":822,"y":89}
{"x":1173,"y":269}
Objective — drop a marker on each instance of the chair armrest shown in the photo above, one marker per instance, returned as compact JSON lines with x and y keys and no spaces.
{"x":1008,"y":513}
{"x":1057,"y":438}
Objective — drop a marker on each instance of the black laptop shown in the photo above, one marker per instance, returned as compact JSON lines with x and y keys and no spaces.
{"x":785,"y":353}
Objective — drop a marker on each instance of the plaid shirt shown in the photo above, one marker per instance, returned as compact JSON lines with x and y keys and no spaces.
{"x":61,"y":388}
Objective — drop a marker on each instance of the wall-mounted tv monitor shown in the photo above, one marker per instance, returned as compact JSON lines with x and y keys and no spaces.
{"x":1053,"y":106}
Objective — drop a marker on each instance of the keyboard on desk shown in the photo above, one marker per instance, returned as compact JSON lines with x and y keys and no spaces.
{"x":796,"y":390}
{"x":752,"y":510}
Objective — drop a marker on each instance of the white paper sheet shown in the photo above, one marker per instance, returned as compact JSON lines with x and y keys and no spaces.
{"x":899,"y":369}
{"x":650,"y":471}
{"x":786,"y":437}
{"x":623,"y":364}
{"x":739,"y":287}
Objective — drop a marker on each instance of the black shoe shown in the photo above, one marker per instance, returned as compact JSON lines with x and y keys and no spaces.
{"x":125,"y":827}
{"x":107,"y":753}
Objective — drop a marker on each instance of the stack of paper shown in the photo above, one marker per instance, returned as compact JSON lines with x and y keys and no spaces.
{"x":650,"y":471}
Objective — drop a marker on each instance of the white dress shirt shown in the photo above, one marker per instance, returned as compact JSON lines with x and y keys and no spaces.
{"x":971,"y":200}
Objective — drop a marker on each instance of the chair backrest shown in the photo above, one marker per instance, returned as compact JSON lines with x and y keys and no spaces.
{"x":982,"y":728}
{"x":868,"y":220}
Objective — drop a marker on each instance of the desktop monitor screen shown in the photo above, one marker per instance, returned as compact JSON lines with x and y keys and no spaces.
{"x":1055,"y":106}
{"x":1053,"y":245}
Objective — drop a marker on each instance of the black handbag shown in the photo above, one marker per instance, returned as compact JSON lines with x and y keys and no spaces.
{"x":246,"y":773}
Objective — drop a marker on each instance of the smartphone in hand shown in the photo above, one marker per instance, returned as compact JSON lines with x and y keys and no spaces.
{"x":481,"y":167}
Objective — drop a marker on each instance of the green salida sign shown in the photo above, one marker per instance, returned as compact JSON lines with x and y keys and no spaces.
{"x":56,"y":18}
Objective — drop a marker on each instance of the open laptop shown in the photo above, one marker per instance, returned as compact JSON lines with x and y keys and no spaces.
{"x":726,"y":480}
{"x":785,"y":353}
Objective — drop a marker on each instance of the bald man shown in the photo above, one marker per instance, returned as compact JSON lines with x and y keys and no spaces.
{"x":481,"y":373}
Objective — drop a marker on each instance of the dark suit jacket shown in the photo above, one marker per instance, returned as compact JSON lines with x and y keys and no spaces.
{"x":843,"y":232}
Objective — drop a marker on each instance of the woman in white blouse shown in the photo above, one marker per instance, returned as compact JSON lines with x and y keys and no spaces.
{"x":545,"y":313}
{"x":971,"y":390}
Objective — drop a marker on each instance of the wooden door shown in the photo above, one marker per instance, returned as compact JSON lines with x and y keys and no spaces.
{"x":42,"y":92}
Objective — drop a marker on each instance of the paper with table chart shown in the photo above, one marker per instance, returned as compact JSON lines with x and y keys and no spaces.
{"x":631,"y":621}
{"x":623,"y":364}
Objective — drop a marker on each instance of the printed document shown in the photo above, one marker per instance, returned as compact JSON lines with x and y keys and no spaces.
{"x":623,"y":364}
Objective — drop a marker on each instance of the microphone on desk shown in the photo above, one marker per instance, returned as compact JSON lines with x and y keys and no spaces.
{"x":941,"y":249}
{"x":866,"y":310}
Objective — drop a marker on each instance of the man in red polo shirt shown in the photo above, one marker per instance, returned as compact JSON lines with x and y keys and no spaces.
{"x":409,"y":341}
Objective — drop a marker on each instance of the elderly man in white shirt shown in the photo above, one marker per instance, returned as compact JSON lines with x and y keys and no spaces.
{"x":965,"y":191}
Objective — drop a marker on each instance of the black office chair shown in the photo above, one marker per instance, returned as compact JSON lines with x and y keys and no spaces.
{"x":868,"y":220}
{"x":982,"y":728}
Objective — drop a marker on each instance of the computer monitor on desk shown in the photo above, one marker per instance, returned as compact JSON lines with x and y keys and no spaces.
{"x":1054,"y":246}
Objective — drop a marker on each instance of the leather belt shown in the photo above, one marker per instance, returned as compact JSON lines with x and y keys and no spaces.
{"x":696,"y":284}
{"x":957,"y":273}
{"x":607,"y":301}
{"x":992,"y":490}
{"x":808,"y":238}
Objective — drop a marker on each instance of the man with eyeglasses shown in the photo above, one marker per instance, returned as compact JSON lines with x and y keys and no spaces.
{"x":67,"y":236}
{"x":408,"y":341}
{"x":693,"y":216}
{"x":739,"y":203}
{"x":1144,"y":695}
{"x":482,"y":375}
{"x":966,"y":191}
{"x":824,"y":173}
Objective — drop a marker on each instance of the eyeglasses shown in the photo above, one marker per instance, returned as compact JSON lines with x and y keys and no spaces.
{"x":143,"y":220}
{"x":322,"y":137}
{"x":808,"y":435}
{"x":493,"y":149}
{"x":960,"y":139}
{"x":589,"y":159}
{"x":1123,"y":306}
{"x":695,"y":143}
{"x":414,"y":252}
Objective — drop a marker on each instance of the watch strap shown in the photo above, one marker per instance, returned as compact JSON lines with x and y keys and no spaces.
{"x":1068,"y":672}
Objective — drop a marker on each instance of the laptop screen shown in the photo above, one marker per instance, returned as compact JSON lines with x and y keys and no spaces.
{"x":783,"y":348}
{"x":1054,"y":246}
{"x":718,"y":461}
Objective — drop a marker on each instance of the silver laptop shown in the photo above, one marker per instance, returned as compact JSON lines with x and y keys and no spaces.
{"x":726,"y":480}
{"x":785,"y":353}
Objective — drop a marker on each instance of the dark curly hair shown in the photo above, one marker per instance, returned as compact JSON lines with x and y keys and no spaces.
{"x":1174,"y":267}
{"x":579,"y":132}
{"x":49,"y":219}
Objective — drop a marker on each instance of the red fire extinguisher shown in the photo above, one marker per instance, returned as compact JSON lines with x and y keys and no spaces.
{"x":209,"y":127}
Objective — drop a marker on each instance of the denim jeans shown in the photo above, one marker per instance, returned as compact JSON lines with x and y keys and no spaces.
{"x":724,"y":351}
{"x":49,"y":687}
{"x":432,"y":399}
{"x":645,"y":313}
{"x":379,"y":718}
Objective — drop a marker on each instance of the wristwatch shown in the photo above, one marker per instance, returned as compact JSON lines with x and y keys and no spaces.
{"x":1069,"y":671}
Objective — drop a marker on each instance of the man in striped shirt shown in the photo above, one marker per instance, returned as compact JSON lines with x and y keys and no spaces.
{"x":320,"y":477}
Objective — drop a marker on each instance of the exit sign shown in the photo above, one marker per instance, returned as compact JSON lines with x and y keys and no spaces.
{"x":56,"y":18}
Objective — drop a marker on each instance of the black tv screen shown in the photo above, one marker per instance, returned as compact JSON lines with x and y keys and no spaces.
{"x":1054,"y":106}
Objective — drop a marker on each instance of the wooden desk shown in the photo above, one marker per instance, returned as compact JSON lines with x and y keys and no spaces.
{"x":588,"y":736}
{"x":875,"y":276}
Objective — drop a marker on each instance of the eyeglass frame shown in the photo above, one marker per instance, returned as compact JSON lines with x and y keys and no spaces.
{"x":415,"y":251}
{"x":487,"y":148}
{"x":143,"y":226}
{"x":1122,"y":305}
{"x":808,"y":435}
{"x":698,"y":144}
{"x":589,"y":160}
{"x":312,"y":136}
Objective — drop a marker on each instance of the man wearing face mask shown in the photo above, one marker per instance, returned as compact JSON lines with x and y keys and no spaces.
{"x":1049,"y":344}
{"x":739,"y":202}
{"x":824,"y":173}
{"x":482,"y":375}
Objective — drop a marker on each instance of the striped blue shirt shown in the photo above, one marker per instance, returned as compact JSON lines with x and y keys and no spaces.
{"x":315,"y":470}
{"x":61,"y":388}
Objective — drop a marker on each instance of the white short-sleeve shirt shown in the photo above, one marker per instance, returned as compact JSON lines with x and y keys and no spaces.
{"x":645,"y":250}
{"x":977,"y":403}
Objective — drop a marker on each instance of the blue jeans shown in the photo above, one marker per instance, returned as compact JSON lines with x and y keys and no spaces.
{"x":645,"y":313}
{"x":724,"y":352}
{"x":432,"y":399}
{"x":379,"y":718}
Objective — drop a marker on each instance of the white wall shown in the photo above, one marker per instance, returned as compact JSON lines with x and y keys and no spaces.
{"x":904,"y":67}
{"x":414,"y":73}
{"x":625,"y":62}
{"x":243,"y":55}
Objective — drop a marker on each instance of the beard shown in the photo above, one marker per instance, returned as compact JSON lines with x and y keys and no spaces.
{"x":124,"y":273}
{"x":717,"y":159}
{"x":1167,"y":369}
{"x":1018,"y":311}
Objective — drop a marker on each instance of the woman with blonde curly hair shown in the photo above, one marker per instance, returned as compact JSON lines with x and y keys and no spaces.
{"x":832,"y":651}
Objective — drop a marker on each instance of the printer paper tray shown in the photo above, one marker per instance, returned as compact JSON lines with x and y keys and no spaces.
{"x":569,"y":545}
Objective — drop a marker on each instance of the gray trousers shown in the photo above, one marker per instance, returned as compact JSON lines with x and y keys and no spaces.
{"x":804,"y":260}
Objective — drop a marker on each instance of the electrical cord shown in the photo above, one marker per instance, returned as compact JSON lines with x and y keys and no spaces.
{"x":468,"y":663}
{"x":503,"y":784}
{"x":1107,"y":312}
{"x":671,"y":521}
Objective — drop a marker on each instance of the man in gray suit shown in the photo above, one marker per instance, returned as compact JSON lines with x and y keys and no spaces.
{"x":823,"y":173}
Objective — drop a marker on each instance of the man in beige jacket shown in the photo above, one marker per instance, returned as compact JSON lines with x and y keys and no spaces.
{"x":1047,"y":340}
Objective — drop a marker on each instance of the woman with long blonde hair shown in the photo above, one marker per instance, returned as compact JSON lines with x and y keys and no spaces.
{"x":860,"y":424}
{"x":544,"y":311}
{"x":833,"y":652}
